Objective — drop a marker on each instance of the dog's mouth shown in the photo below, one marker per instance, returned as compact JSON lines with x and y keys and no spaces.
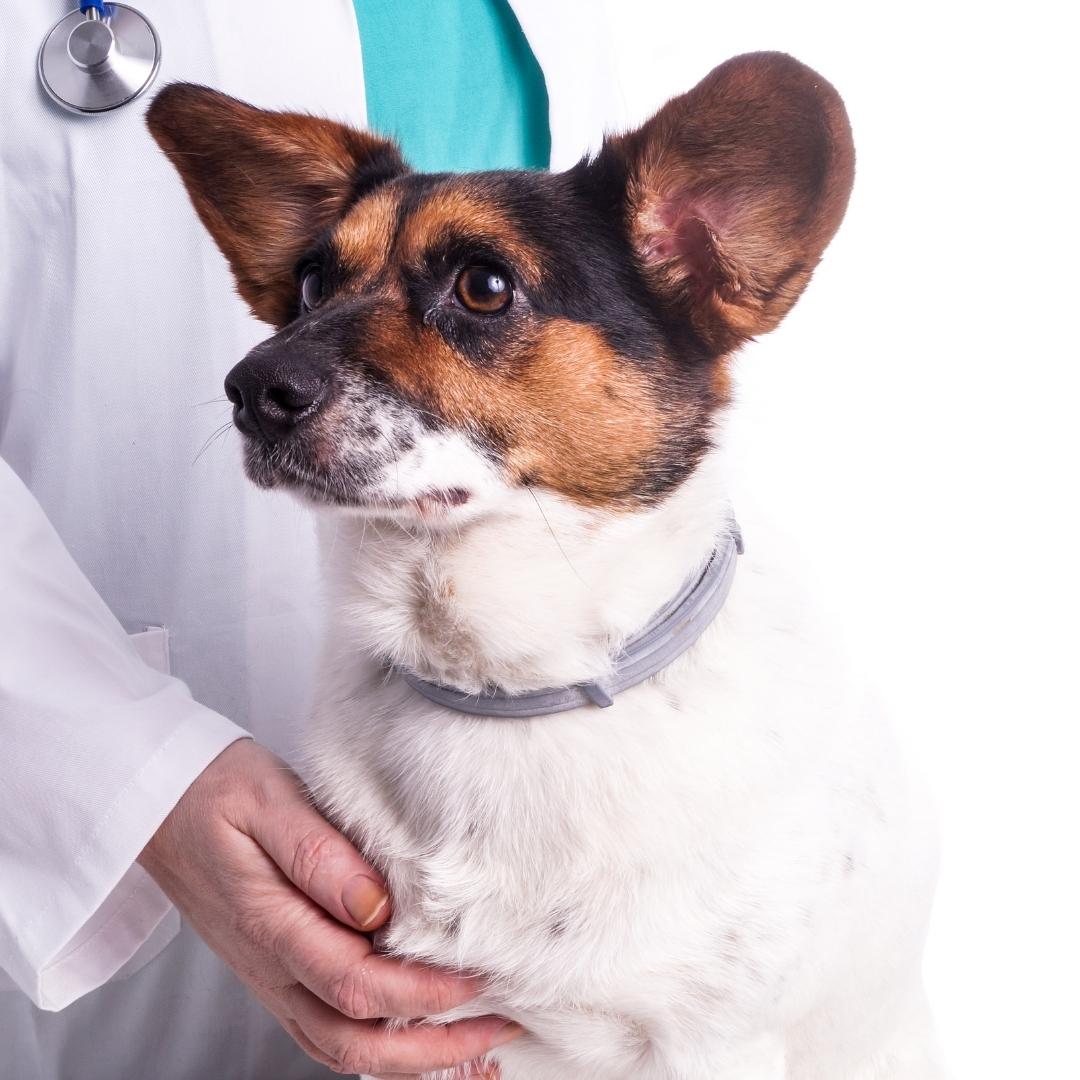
{"x":430,"y":505}
{"x":362,"y":488}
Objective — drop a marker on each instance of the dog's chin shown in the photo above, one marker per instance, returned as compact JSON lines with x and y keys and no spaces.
{"x":433,"y":508}
{"x":350,"y":491}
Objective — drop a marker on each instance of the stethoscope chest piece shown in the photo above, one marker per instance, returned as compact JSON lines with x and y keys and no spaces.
{"x":99,"y":57}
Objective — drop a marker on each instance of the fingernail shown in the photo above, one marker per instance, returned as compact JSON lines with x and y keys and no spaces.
{"x":365,"y":900}
{"x":507,"y":1033}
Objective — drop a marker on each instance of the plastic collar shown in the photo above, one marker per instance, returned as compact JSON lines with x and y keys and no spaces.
{"x":672,"y":631}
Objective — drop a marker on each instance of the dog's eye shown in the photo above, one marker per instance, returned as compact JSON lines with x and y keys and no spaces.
{"x":484,"y":289}
{"x":311,"y":290}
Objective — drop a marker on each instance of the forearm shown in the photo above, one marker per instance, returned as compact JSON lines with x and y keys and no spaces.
{"x":100,"y":747}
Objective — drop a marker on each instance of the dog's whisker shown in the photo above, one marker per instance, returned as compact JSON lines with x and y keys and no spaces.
{"x":536,"y":500}
{"x":214,"y":437}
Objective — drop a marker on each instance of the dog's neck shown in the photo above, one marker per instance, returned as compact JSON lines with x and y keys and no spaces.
{"x":539,"y":594}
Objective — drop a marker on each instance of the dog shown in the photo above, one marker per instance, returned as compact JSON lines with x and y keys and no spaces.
{"x":503,"y":393}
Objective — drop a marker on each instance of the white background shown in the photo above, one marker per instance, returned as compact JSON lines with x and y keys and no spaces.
{"x":914,"y":424}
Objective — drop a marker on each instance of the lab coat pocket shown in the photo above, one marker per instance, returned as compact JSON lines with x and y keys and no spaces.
{"x":152,"y":644}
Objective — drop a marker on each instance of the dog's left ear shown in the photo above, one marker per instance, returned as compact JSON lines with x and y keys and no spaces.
{"x":265,"y":184}
{"x":734,"y":189}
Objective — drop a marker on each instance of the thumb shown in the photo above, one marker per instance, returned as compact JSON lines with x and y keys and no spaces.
{"x":316,"y":858}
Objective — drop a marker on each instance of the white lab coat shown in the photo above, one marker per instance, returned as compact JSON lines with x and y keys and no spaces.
{"x":130,"y":545}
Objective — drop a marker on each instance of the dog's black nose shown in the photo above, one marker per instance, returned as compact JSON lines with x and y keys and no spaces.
{"x":272,"y":394}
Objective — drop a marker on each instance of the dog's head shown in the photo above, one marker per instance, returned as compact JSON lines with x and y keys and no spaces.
{"x":444,"y":340}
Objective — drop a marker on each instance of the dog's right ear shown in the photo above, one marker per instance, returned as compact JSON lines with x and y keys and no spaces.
{"x":732,"y":192}
{"x":265,"y":184}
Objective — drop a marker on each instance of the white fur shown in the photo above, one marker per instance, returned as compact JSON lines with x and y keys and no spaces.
{"x":726,"y":875}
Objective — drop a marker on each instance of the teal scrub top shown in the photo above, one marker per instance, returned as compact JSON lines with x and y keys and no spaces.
{"x":455,"y":83}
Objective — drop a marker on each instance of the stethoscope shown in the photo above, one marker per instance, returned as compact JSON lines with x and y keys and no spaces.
{"x":99,"y":57}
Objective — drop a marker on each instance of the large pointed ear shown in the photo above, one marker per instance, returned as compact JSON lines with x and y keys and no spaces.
{"x":733,"y":191}
{"x":265,"y":184}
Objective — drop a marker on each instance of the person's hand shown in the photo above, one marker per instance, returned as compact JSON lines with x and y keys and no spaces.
{"x":282,"y":897}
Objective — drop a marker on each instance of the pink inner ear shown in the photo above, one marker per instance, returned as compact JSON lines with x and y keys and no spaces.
{"x":687,"y":237}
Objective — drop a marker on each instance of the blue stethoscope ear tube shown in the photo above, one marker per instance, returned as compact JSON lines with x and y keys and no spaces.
{"x":99,"y":57}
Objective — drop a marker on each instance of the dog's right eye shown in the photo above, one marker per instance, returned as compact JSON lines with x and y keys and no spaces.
{"x":483,"y":289}
{"x":311,"y":290}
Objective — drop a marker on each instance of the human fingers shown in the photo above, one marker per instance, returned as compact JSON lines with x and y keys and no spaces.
{"x":305,"y":1044}
{"x":476,"y":1071}
{"x":342,"y":970}
{"x":367,"y":1047}
{"x":315,"y":857}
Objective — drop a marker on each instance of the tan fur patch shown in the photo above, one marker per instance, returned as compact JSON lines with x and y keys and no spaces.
{"x":567,"y":411}
{"x":364,"y":236}
{"x":591,"y":419}
{"x":455,"y":209}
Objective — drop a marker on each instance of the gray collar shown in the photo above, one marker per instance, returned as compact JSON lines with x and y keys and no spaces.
{"x":670,"y":632}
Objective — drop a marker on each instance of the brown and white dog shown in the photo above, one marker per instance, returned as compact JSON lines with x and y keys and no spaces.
{"x":502,"y":392}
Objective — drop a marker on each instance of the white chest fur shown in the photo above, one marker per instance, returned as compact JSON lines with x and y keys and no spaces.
{"x":698,"y":881}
